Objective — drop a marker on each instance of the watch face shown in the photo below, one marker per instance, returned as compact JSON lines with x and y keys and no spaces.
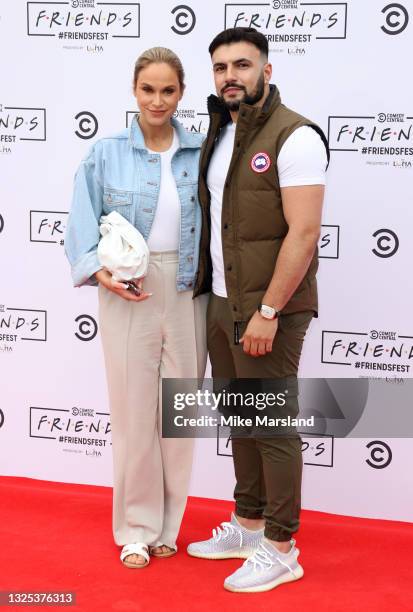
{"x":267,"y":311}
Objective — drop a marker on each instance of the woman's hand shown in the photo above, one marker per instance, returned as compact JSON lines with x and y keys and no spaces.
{"x":105,"y":278}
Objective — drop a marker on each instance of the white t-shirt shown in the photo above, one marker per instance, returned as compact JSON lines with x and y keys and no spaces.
{"x":165,"y":230}
{"x":301,"y":161}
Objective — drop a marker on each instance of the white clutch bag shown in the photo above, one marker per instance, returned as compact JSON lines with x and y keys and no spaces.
{"x":122,"y":249}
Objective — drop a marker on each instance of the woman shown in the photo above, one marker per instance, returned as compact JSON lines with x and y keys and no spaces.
{"x":148,"y":174}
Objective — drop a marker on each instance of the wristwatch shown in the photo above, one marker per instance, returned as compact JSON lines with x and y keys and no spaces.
{"x":268,"y":312}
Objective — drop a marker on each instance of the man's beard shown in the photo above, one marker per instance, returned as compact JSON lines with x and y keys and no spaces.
{"x":250,"y":99}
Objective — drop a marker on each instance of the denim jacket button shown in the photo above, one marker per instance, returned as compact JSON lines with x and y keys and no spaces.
{"x":192,"y":230}
{"x":184,"y":173}
{"x":192,"y":198}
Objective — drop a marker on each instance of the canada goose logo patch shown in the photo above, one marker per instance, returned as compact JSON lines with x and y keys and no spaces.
{"x":260,"y":162}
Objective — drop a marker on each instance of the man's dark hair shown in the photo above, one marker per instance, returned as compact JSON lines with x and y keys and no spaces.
{"x":234,"y":35}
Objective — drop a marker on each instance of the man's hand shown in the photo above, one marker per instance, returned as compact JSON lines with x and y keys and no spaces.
{"x":259,"y":335}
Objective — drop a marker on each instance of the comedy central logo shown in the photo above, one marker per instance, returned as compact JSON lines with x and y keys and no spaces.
{"x":381,"y":135}
{"x":368,"y":352}
{"x":86,"y":327}
{"x":191,"y":119}
{"x":290,"y":22}
{"x":386,"y":243}
{"x":83,"y":3}
{"x":83,"y":21}
{"x":82,"y":429}
{"x":184,"y":19}
{"x":21,"y":324}
{"x":87,"y":125}
{"x":285,"y":4}
{"x":383,"y":335}
{"x":396,"y":18}
{"x":380,"y":454}
{"x":19,"y":123}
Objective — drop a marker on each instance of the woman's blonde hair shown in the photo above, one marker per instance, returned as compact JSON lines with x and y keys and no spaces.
{"x":159,"y":55}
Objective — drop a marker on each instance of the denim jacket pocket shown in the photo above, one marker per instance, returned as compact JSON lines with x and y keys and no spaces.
{"x":121,"y":201}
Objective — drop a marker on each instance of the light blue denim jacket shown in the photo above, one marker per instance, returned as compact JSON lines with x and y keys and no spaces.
{"x":120,"y":174}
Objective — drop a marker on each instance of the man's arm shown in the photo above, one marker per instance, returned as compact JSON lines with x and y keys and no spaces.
{"x":302,"y":208}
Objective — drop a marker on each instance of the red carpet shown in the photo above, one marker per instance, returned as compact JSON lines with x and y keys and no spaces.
{"x":58,"y":537}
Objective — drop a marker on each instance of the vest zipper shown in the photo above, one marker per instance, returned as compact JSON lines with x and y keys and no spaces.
{"x":235,"y":166}
{"x":204,"y":162}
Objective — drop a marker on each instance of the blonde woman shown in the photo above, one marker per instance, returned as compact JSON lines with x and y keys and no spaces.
{"x":148,"y":173}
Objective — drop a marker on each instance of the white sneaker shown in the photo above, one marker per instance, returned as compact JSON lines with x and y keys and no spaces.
{"x":229,"y":541}
{"x":266,"y":569}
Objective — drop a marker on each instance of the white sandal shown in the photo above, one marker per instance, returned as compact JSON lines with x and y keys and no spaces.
{"x":136,"y":548}
{"x":169,"y":553}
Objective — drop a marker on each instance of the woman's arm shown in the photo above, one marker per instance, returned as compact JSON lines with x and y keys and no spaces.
{"x":82,"y":233}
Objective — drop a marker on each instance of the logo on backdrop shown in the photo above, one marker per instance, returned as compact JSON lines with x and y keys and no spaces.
{"x":83,"y":412}
{"x":18,"y":324}
{"x":18,"y":124}
{"x":368,"y":352}
{"x":329,"y":242}
{"x":291,"y":26}
{"x":387,"y":243}
{"x":87,"y":125}
{"x":87,"y":328}
{"x":317,"y":449}
{"x":285,"y":4}
{"x":184,"y":19}
{"x":48,"y":226}
{"x":385,"y":139}
{"x":380,"y":454}
{"x":396,"y":18}
{"x":79,"y":430}
{"x":192,"y":120}
{"x":1,"y":418}
{"x":83,"y":3}
{"x":84,"y":25}
{"x":1,"y":223}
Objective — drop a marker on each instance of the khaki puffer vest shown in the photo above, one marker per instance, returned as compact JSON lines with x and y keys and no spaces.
{"x":253,"y":223}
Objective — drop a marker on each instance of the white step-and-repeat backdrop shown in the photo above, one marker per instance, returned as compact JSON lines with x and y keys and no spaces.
{"x":66,"y":76}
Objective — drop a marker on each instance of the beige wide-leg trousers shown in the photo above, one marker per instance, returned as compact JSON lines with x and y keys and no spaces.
{"x":143,"y":342}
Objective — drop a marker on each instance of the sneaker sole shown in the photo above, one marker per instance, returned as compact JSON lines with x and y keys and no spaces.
{"x":299,"y":573}
{"x":236,"y":554}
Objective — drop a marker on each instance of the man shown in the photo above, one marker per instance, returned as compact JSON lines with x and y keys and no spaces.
{"x":262,"y":177}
